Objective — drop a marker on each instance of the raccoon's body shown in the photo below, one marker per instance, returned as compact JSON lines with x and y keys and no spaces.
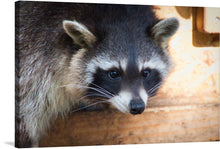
{"x":69,"y":52}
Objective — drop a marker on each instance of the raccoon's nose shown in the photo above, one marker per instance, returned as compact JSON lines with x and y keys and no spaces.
{"x":137,"y":106}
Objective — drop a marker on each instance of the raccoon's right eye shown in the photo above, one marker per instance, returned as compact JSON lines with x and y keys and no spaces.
{"x":146,"y":73}
{"x":114,"y":74}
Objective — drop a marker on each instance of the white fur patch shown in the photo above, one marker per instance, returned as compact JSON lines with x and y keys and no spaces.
{"x":102,"y":63}
{"x":123,"y":64}
{"x":143,"y":95}
{"x":122,"y":101}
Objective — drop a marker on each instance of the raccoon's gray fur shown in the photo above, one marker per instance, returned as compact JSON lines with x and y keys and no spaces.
{"x":66,"y":52}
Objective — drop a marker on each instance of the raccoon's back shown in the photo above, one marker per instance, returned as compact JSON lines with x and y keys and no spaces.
{"x":39,"y":24}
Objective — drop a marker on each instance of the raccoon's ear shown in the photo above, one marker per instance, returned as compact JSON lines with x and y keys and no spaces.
{"x":79,"y":33}
{"x":164,"y":29}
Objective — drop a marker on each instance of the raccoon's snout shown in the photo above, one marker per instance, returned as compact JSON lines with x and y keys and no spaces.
{"x":137,"y":106}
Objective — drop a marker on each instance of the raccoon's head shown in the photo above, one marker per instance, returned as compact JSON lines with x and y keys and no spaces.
{"x":127,"y":66}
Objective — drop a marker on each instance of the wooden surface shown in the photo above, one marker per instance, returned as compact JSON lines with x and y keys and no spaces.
{"x":187,"y":123}
{"x":186,"y":109}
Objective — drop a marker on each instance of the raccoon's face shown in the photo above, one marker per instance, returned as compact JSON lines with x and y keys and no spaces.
{"x":125,"y":85}
{"x":125,"y":76}
{"x":126,"y":72}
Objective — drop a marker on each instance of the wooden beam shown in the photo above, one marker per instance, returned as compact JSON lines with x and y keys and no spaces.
{"x":186,"y":123}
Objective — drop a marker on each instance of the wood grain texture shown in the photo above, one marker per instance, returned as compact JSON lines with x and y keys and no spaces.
{"x":186,"y":123}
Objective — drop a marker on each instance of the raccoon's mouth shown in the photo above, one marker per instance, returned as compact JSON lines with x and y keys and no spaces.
{"x":122,"y":102}
{"x":125,"y":103}
{"x":135,"y":106}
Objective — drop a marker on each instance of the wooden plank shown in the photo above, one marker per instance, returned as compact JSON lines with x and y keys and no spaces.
{"x":187,"y":123}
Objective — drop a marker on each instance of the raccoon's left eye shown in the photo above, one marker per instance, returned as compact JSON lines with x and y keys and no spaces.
{"x":114,"y":74}
{"x":146,"y":73}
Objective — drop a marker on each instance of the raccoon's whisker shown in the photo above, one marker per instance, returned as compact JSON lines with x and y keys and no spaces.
{"x":87,"y":87}
{"x":88,"y":106}
{"x":102,"y":89}
{"x":152,"y":91}
{"x":94,"y":95}
{"x":155,"y":87}
{"x":99,"y":95}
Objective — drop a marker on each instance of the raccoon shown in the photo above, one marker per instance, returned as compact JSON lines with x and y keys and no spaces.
{"x":67,"y":53}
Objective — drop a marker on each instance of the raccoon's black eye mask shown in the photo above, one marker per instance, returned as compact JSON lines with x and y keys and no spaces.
{"x":109,"y":81}
{"x":152,"y":80}
{"x":115,"y":74}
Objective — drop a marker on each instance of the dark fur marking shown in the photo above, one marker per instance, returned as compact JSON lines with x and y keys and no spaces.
{"x":150,"y":82}
{"x":101,"y":79}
